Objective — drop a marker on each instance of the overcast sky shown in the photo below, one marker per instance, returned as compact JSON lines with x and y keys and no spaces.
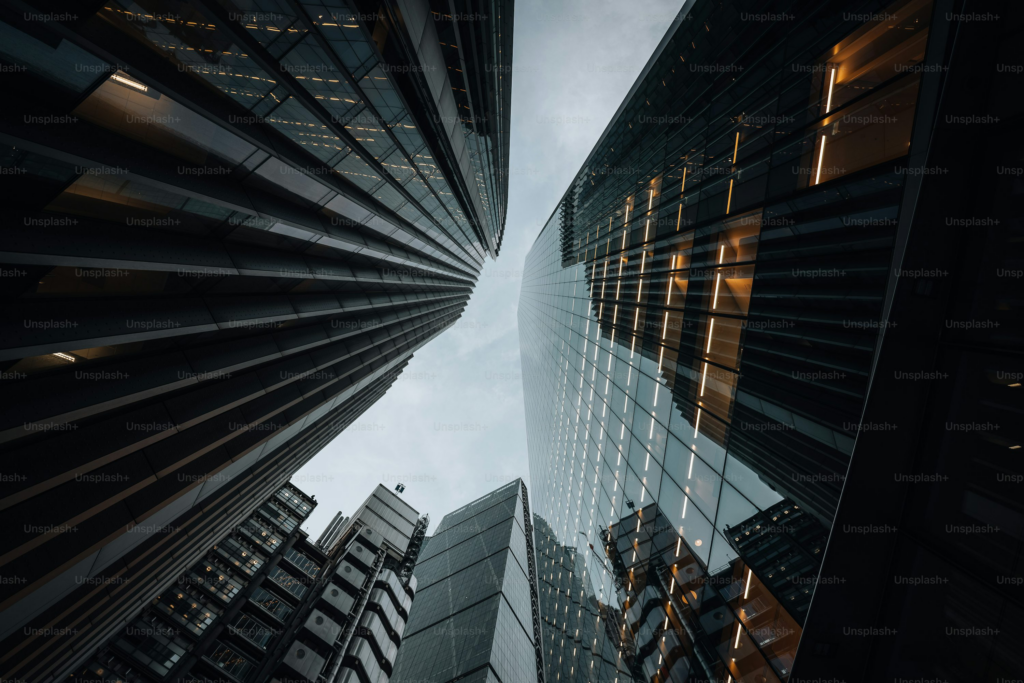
{"x":453,"y":427}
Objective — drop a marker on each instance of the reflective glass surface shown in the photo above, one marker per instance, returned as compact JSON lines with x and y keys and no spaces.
{"x":474,"y":609}
{"x":697,"y":323}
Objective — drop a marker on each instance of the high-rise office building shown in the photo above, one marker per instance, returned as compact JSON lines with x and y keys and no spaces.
{"x":228,"y":225}
{"x":477,"y":617}
{"x":357,"y":624}
{"x":266,"y":603}
{"x":750,"y":313}
{"x":225,"y":614}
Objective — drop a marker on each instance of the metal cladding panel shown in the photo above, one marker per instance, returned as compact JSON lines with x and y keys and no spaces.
{"x":338,"y":599}
{"x":302,"y":662}
{"x":392,"y":535}
{"x":350,"y":578}
{"x":369,"y":538}
{"x":322,"y":627}
{"x":391,"y":514}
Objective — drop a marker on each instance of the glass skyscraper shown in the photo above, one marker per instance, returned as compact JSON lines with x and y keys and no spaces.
{"x":702,"y":322}
{"x":229,"y":226}
{"x":476,"y":617}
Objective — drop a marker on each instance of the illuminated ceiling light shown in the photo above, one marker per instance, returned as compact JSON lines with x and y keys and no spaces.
{"x":678,"y":544}
{"x":696,"y":425}
{"x":64,"y":356}
{"x":736,"y":149}
{"x":821,"y":158}
{"x":739,"y":630}
{"x":711,"y":329}
{"x":831,"y":83}
{"x":746,"y":591}
{"x":124,"y":80}
{"x":650,"y":200}
{"x":718,"y":284}
{"x":1014,"y":448}
{"x":1015,"y":384}
{"x":704,"y":379}
{"x":728,"y":200}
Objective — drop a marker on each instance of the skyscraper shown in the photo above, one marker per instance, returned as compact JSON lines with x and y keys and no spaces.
{"x":227,"y":612}
{"x":476,"y":616}
{"x":357,"y":624}
{"x":748,"y":290}
{"x":228,"y":226}
{"x":268,"y":603}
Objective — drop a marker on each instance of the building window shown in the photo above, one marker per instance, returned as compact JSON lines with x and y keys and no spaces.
{"x":271,"y":603}
{"x":868,"y":112}
{"x":231,"y":662}
{"x":295,"y":502}
{"x":278,"y":516}
{"x":215,"y":578}
{"x":288,"y":582}
{"x":302,"y":562}
{"x":240,"y":555}
{"x":260,"y":535}
{"x":187,"y":605}
{"x":153,"y":644}
{"x":253,"y":630}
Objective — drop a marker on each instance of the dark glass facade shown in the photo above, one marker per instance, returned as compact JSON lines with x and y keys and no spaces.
{"x":228,"y":227}
{"x":476,"y":616}
{"x":705,"y":321}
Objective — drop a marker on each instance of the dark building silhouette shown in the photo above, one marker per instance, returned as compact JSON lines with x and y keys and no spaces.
{"x":228,"y":227}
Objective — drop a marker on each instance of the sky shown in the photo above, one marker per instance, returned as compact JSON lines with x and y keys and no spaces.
{"x":452,"y":428}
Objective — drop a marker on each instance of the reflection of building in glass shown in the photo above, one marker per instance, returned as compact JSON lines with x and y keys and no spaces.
{"x":682,"y":621}
{"x":476,"y":616}
{"x":700,"y":318}
{"x":783,"y":547}
{"x":581,"y":623}
{"x":229,"y":227}
{"x":268,"y":603}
